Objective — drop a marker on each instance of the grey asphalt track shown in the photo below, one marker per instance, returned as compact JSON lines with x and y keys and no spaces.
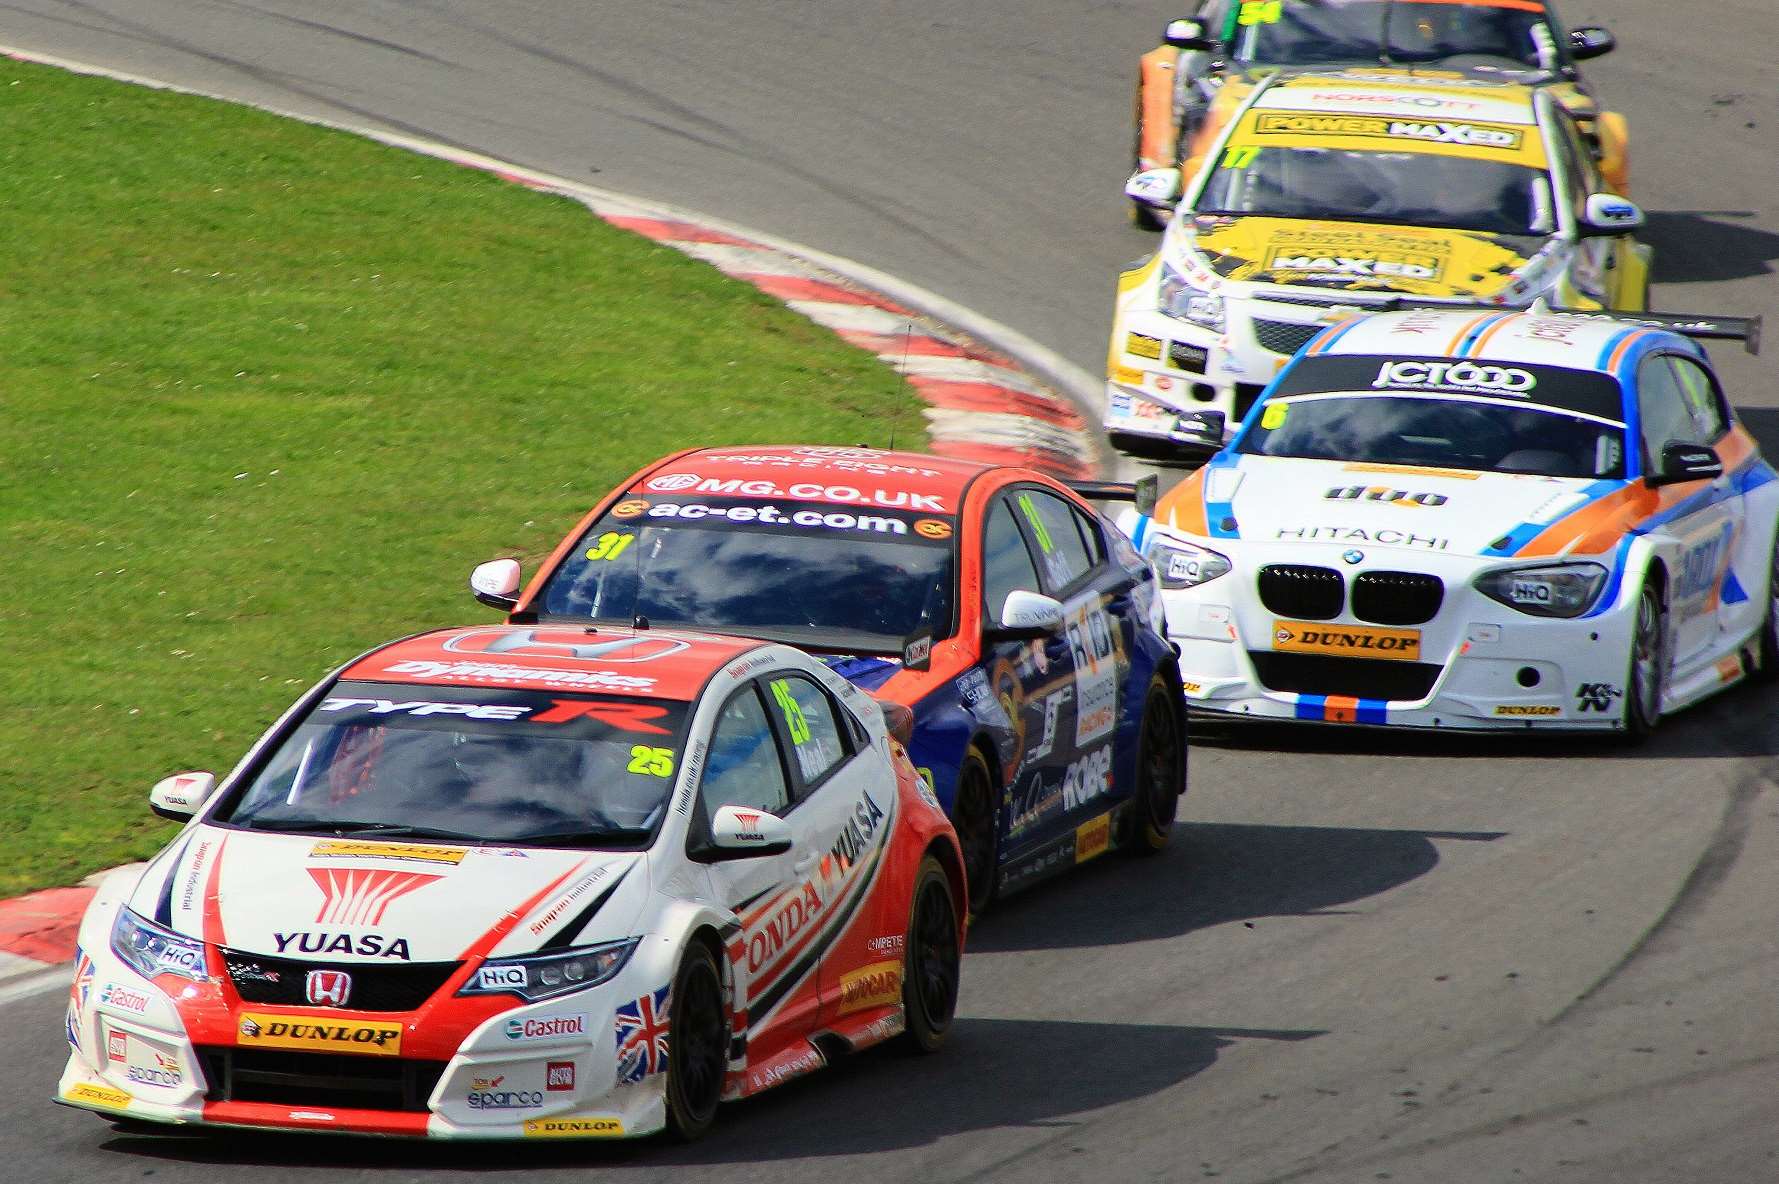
{"x":1368,"y":957}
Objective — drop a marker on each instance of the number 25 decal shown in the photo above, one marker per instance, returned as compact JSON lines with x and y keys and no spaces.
{"x":653,"y":762}
{"x":793,"y":712}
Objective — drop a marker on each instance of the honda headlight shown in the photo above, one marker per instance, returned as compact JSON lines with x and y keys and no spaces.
{"x":535,"y":977}
{"x":1181,"y":299}
{"x":153,"y":950}
{"x":1552,"y":590}
{"x":1182,"y":565}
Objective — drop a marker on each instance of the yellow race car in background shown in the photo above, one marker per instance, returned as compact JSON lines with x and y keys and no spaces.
{"x":1240,"y":41}
{"x":1316,"y":195}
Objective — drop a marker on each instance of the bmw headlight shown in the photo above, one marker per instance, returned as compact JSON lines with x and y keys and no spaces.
{"x":1183,"y":300}
{"x":153,"y":950}
{"x":1182,"y":565}
{"x":535,"y":977}
{"x":1550,"y":590}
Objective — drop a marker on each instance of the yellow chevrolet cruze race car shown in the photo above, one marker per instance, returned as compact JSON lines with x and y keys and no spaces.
{"x":1321,"y":194}
{"x":1237,"y":42}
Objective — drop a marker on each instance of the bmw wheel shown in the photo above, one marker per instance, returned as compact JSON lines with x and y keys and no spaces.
{"x":697,"y":1044}
{"x":1160,"y":772}
{"x":973,"y":816}
{"x":930,"y":959}
{"x":1649,"y":664}
{"x":1767,"y":658}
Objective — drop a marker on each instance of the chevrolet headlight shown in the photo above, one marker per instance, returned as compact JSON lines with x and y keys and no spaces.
{"x":153,"y":951}
{"x":1181,"y":299}
{"x":535,"y":977}
{"x":1551,"y":590}
{"x":1182,"y":565}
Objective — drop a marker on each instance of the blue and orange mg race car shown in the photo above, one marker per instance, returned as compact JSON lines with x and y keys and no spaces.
{"x":1010,"y":625}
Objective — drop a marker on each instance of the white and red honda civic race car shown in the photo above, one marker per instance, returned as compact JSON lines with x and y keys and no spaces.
{"x":525,"y":882}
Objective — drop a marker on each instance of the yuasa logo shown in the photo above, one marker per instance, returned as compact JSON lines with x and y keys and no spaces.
{"x":360,"y":896}
{"x":558,"y":644}
{"x":552,"y":1028}
{"x":328,"y":988}
{"x":1506,"y":380}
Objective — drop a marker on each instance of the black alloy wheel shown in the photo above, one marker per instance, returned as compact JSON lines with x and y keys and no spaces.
{"x":973,"y":817}
{"x":1160,"y":771}
{"x":697,"y":1045}
{"x":1766,"y":667}
{"x":1649,"y":662}
{"x":930,"y":961}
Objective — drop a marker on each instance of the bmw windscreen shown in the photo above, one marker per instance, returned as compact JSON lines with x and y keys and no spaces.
{"x":478,"y":764}
{"x":1299,"y":33}
{"x":1399,"y":188}
{"x":1542,"y":420}
{"x":837,"y":577}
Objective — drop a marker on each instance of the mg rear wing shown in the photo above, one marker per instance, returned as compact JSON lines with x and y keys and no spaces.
{"x":1142,"y":492}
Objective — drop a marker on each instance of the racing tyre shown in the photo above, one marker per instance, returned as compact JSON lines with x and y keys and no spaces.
{"x":1767,"y":657}
{"x":1145,"y":218}
{"x":1649,"y":662}
{"x":973,"y":816}
{"x":1160,"y":772}
{"x":697,"y":1044}
{"x":930,"y":960}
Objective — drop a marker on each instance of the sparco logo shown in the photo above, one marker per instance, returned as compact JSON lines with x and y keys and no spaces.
{"x":563,"y":643}
{"x":1505,"y":380}
{"x":1383,"y":493}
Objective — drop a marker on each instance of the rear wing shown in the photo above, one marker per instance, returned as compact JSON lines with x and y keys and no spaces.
{"x":1703,"y":327}
{"x":1143,"y":492}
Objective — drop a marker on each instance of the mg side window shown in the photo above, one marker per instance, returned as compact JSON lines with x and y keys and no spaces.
{"x":1062,"y":552}
{"x":1007,"y":565}
{"x":744,"y":766}
{"x":819,"y":744}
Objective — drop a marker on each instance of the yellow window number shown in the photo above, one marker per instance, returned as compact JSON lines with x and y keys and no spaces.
{"x":652,"y":762}
{"x":1260,"y":12}
{"x":1241,"y":156}
{"x":793,"y":713}
{"x":609,"y":546}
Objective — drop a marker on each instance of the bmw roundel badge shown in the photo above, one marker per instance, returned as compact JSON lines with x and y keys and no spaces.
{"x":1353,"y":556}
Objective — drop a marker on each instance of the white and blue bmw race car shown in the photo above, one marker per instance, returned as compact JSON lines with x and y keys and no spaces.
{"x":1464,"y":519}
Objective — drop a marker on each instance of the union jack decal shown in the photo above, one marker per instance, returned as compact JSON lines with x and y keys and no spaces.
{"x":359,"y":896}
{"x":642,"y":1037}
{"x":77,"y":994}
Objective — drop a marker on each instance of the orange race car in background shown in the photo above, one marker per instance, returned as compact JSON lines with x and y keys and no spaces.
{"x":1229,"y":44}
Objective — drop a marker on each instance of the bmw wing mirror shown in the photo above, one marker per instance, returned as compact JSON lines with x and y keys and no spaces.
{"x":1590,"y":41}
{"x":496,"y":584}
{"x":1687,"y":462}
{"x":180,"y":796}
{"x":1190,"y":34}
{"x":1148,"y":494}
{"x":1028,"y":616}
{"x":1156,"y":188}
{"x":741,"y":832}
{"x":1608,"y":213}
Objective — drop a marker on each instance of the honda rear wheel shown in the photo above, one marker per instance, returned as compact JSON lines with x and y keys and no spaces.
{"x":931,"y":959}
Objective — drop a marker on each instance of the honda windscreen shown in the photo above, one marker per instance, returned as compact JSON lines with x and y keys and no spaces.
{"x":836,"y":577}
{"x":468,"y":765}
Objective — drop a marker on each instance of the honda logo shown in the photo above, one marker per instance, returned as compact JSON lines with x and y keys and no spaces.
{"x":329,"y":988}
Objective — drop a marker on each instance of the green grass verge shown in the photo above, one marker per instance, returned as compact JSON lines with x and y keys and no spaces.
{"x":267,"y":392}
